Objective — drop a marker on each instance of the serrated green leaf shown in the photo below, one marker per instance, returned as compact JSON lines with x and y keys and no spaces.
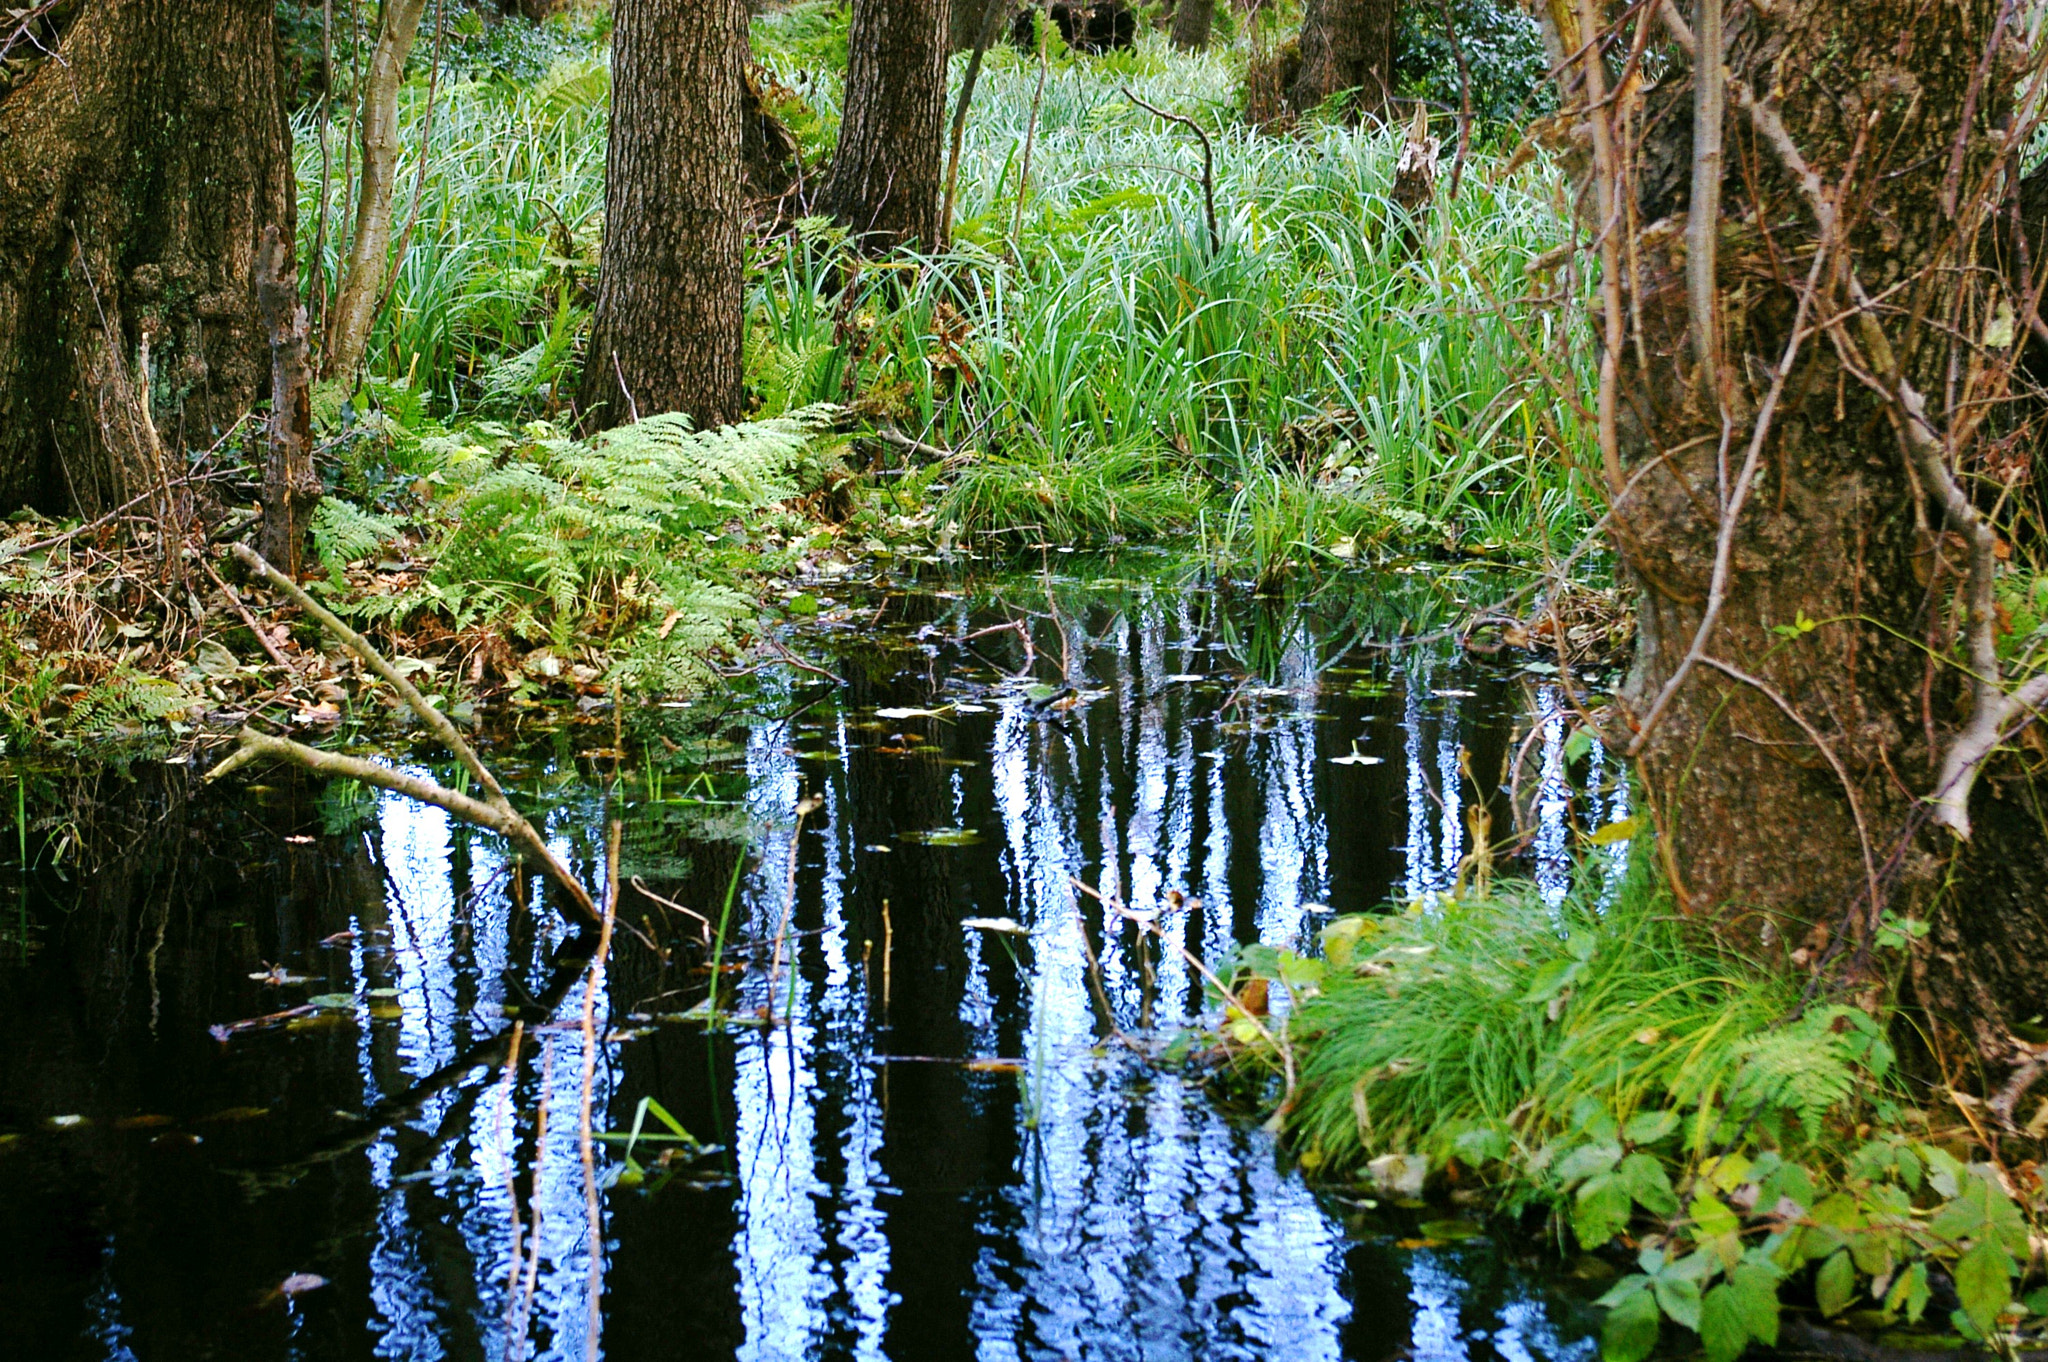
{"x":1680,"y":1297}
{"x":1649,"y":1184}
{"x":1586,"y":1161}
{"x":1630,"y":1330}
{"x":1756,"y":1295}
{"x":1600,"y":1210}
{"x":1984,"y":1284}
{"x":1910,"y":1291}
{"x":1632,"y":1285}
{"x":1713,"y":1216}
{"x":1723,"y":1330}
{"x":1835,"y":1288}
{"x":1648,"y":1127}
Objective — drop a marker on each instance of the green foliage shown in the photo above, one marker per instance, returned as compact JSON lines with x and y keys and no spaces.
{"x":1641,"y":1090}
{"x":343,"y":533}
{"x":554,"y":540}
{"x":1503,"y":57}
{"x":126,"y":704}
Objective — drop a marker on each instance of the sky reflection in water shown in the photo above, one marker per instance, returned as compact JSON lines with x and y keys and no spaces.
{"x":881,"y":1204}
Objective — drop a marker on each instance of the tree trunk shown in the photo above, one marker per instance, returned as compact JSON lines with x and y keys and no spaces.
{"x":1791,"y":708}
{"x":369,"y":257}
{"x":1191,"y":22}
{"x":666,"y":336}
{"x":291,"y":489}
{"x":1346,"y":45}
{"x":139,"y":166}
{"x":887,"y":170}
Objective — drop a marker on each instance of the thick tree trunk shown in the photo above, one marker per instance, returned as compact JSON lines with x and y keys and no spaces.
{"x":139,"y":166}
{"x":669,"y":296}
{"x":1191,"y":23}
{"x":369,"y":257}
{"x":1791,"y":738}
{"x":1346,"y":45}
{"x":887,"y":170}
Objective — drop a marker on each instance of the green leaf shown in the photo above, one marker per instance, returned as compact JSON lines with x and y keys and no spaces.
{"x":1632,"y":1285}
{"x":1648,"y":1127}
{"x":1630,"y":1330}
{"x":1586,"y":1161}
{"x":1680,"y":1297}
{"x":1723,"y":1329}
{"x":1984,"y":1284}
{"x":1601,"y":1210}
{"x":1755,"y":1287}
{"x":1712,"y":1216}
{"x":1911,"y":1291}
{"x":1484,"y":1144}
{"x":1835,"y":1287}
{"x":1648,"y":1184}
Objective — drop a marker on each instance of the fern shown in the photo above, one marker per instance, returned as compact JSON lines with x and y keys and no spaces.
{"x":603,"y":540}
{"x":343,"y":533}
{"x":125,"y":704}
{"x":1807,"y":1068}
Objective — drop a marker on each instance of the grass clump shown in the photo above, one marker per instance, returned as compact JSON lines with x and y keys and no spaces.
{"x":1743,"y":1150}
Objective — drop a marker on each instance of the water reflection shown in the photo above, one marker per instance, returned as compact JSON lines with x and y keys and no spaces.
{"x":936,"y":1145}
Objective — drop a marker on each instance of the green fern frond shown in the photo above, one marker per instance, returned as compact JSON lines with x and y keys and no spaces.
{"x":343,"y":533}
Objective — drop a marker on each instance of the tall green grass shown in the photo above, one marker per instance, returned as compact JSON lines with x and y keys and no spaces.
{"x":1102,"y":372}
{"x":1499,"y":1030}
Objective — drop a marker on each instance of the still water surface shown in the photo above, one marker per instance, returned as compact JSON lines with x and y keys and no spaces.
{"x":930,"y":1143}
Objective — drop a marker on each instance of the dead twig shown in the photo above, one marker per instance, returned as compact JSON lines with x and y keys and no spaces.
{"x":1208,"y":163}
{"x":494,"y":811}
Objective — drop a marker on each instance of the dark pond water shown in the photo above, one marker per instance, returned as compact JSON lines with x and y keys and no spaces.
{"x":931,"y":1148}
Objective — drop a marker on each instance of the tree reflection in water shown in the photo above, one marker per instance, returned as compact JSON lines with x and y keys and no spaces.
{"x":881,"y":1199}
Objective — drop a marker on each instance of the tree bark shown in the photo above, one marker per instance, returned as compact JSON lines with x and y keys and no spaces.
{"x":1802,"y":586}
{"x":291,"y":489}
{"x":1191,"y":23}
{"x":369,"y":257}
{"x":667,"y":332}
{"x":1346,"y":45}
{"x":138,"y":167}
{"x":888,"y":168}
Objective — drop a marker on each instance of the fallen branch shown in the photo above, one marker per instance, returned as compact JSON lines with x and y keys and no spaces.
{"x":494,"y":811}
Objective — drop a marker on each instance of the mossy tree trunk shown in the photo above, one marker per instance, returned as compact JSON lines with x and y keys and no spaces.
{"x":139,"y":165}
{"x":1792,"y":383}
{"x":1192,"y":20}
{"x":666,"y":336}
{"x":888,"y":168}
{"x":1346,"y":45}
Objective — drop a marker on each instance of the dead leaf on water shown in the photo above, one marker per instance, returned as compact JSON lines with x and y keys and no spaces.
{"x":146,"y":1122}
{"x":945,"y":837}
{"x":236,"y":1114}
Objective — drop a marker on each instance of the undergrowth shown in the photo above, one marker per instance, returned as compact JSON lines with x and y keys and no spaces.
{"x":1742,"y":1150}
